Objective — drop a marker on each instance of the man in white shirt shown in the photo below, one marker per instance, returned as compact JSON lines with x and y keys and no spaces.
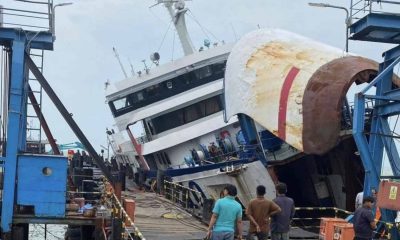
{"x":359,"y":200}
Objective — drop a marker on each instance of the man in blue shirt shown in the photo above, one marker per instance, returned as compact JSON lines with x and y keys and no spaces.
{"x":280,"y":224}
{"x":364,"y":222}
{"x":226,"y":213}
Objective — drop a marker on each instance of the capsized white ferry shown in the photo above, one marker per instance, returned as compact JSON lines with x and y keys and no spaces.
{"x":170,"y":119}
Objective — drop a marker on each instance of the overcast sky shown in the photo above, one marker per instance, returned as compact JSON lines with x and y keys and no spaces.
{"x":86,"y":31}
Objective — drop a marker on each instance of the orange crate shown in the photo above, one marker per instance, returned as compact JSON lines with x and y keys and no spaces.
{"x":343,"y":231}
{"x":389,"y":195}
{"x":326,"y":230}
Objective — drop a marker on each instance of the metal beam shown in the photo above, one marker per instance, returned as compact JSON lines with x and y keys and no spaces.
{"x":390,"y":146}
{"x":68,"y":118}
{"x":15,"y":112}
{"x":69,"y":220}
{"x":392,"y":54}
{"x":37,"y":40}
{"x":43,"y":122}
{"x":385,"y":73}
{"x":376,"y":144}
{"x":395,"y":94}
{"x":392,"y":98}
{"x":371,"y":179}
{"x":389,"y":109}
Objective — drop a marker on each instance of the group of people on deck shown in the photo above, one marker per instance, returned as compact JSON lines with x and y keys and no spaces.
{"x":265,"y":215}
{"x":274,"y":216}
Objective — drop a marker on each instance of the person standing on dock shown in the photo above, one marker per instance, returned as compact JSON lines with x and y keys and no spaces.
{"x":364,"y":222}
{"x":280,"y":224}
{"x":359,"y":200}
{"x":259,"y":211}
{"x":227,"y":213}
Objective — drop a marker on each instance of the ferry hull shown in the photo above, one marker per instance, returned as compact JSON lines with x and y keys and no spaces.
{"x":246,"y":177}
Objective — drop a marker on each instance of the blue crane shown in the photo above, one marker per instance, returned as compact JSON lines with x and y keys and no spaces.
{"x":377,"y":142}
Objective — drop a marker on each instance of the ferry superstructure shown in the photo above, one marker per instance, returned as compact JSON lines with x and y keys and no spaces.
{"x":179,"y":108}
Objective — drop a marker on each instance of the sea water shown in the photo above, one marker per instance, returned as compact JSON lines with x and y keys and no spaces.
{"x":54,"y":232}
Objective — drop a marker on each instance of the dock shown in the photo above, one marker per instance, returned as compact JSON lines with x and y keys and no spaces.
{"x":161,"y":219}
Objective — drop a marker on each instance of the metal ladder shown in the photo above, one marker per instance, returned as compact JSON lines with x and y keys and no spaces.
{"x":34,"y":128}
{"x":36,"y":16}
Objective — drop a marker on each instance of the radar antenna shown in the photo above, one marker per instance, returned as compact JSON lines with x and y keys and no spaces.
{"x":120,"y":63}
{"x":178,"y":18}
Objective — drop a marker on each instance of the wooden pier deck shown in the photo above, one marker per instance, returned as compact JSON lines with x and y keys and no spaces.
{"x":157,"y":218}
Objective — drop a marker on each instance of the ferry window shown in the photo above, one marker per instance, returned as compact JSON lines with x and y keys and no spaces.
{"x":167,"y":158}
{"x":152,"y":90}
{"x":187,"y":114}
{"x":159,"y":158}
{"x":187,"y":78}
{"x":218,"y":68}
{"x":168,"y":88}
{"x":212,"y":105}
{"x":139,"y":96}
{"x":192,"y":113}
{"x":121,"y":103}
{"x":150,"y":127}
{"x":203,"y":72}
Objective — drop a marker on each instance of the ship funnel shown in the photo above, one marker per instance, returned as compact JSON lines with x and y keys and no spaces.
{"x":293,"y":86}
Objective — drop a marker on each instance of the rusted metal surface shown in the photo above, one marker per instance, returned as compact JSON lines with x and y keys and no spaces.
{"x":292,"y":86}
{"x":323,"y":100}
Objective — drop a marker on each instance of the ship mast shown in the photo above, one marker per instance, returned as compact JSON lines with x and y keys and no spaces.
{"x":178,"y":17}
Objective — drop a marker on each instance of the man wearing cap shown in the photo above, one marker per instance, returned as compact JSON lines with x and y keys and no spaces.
{"x":364,"y":222}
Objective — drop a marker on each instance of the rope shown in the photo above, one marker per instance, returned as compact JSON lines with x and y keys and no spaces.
{"x":205,"y":30}
{"x":165,"y":35}
{"x":172,"y":207}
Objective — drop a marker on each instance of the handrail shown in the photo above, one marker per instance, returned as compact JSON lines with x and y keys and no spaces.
{"x":360,"y":8}
{"x":180,"y":195}
{"x":36,"y":2}
{"x":27,"y":16}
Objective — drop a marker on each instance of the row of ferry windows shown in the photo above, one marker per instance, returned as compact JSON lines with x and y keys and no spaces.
{"x":167,"y":88}
{"x":185,"y":115}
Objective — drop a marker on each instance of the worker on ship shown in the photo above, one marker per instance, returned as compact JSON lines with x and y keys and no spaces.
{"x":259,"y":210}
{"x":364,"y":221}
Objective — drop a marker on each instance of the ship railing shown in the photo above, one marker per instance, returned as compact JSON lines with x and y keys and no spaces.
{"x":187,"y":198}
{"x":309,"y":218}
{"x":32,"y":15}
{"x":361,"y":8}
{"x":369,"y":107}
{"x":221,"y":157}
